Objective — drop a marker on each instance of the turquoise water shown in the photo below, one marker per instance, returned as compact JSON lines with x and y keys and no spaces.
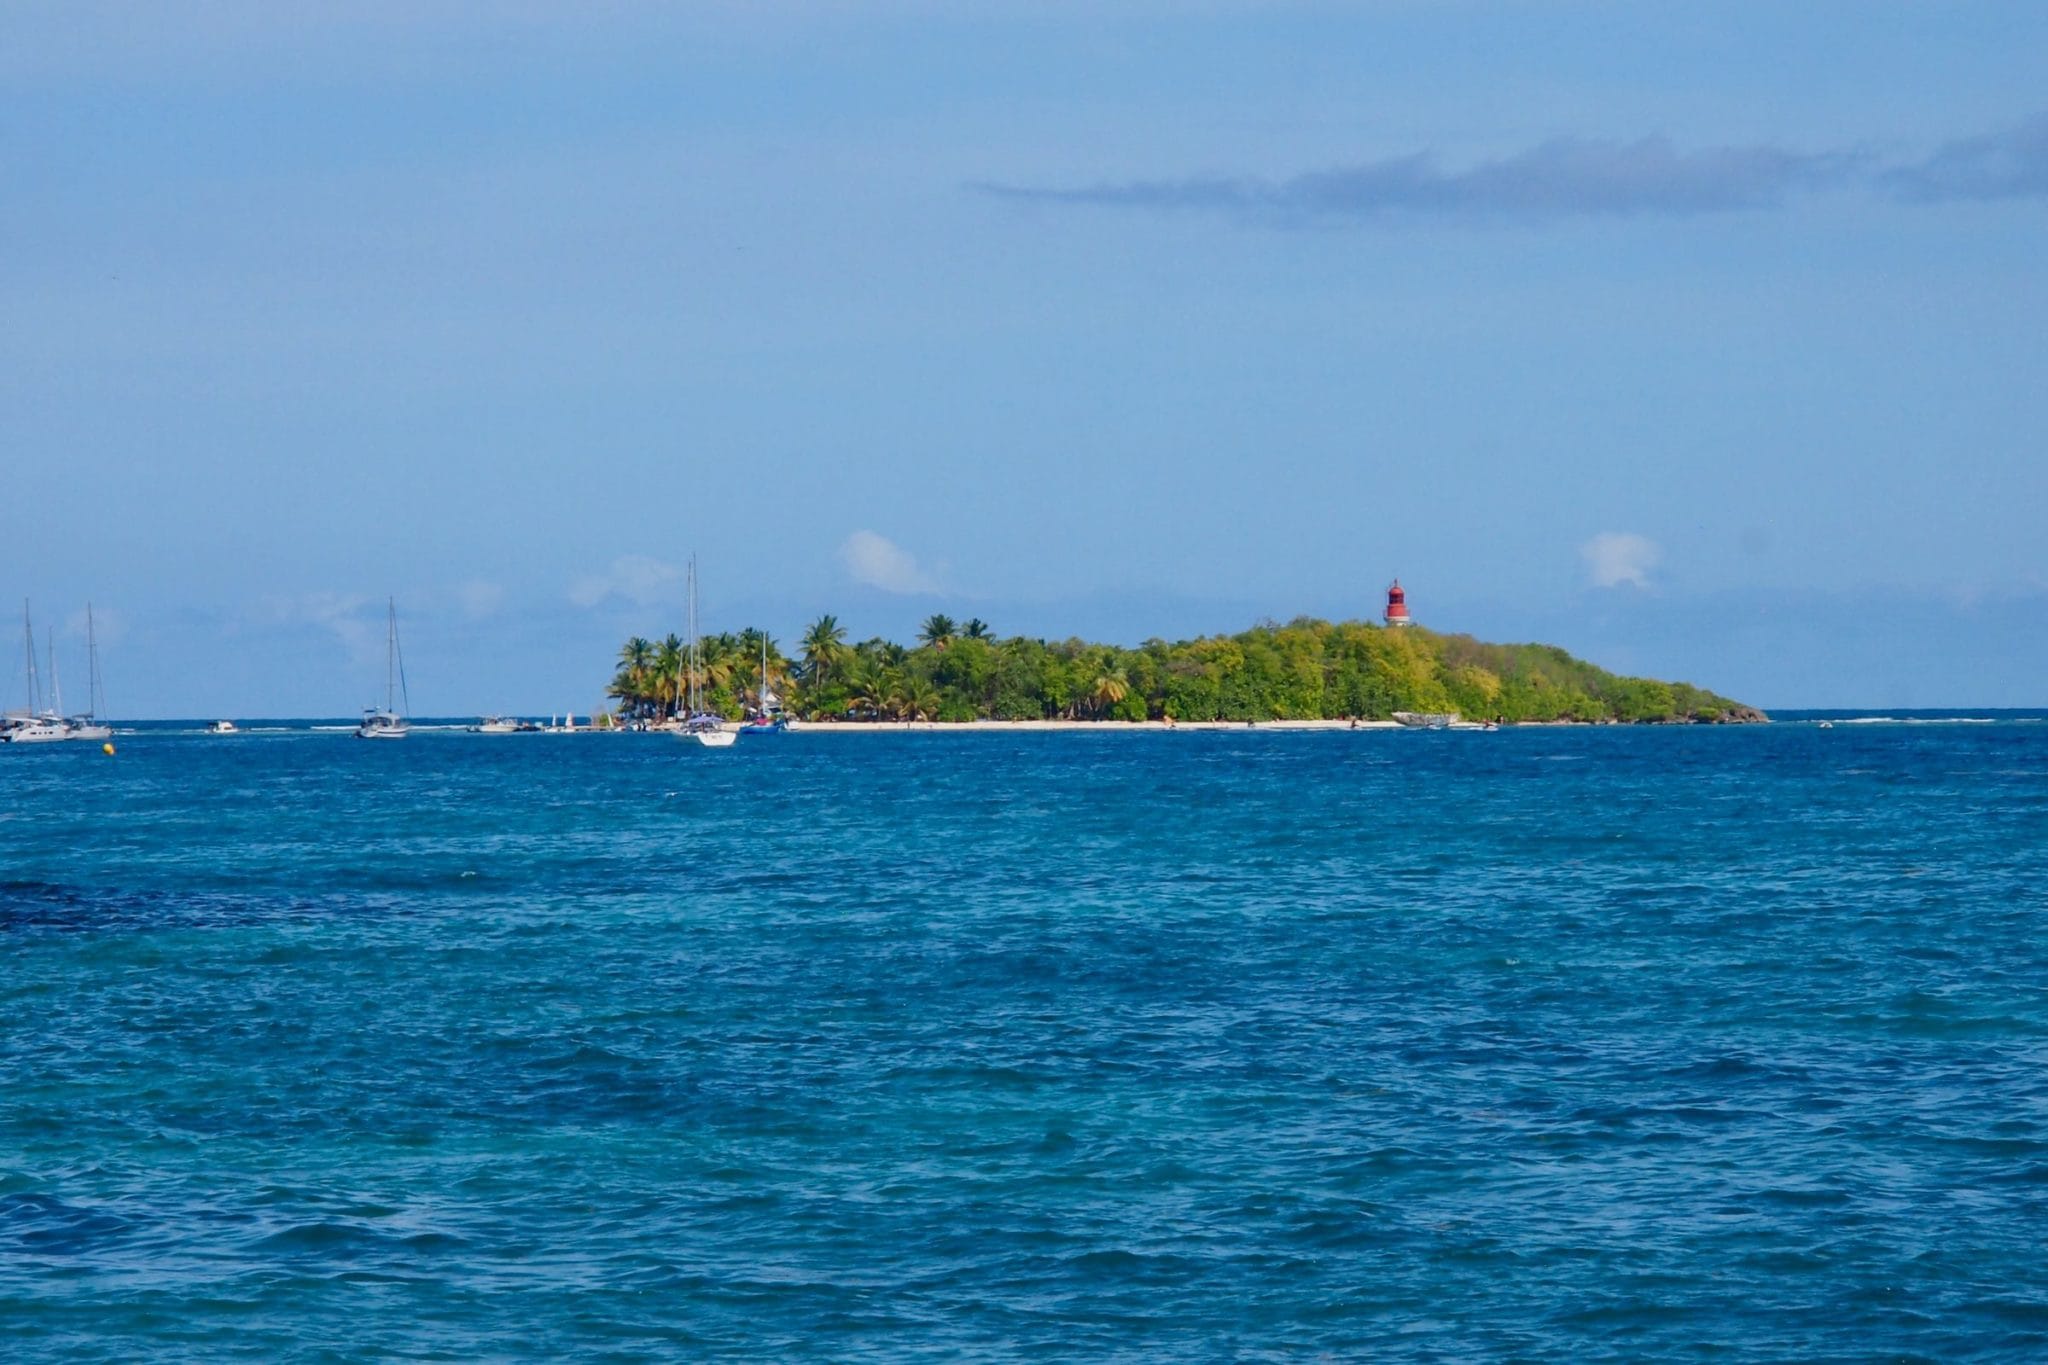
{"x":1555,"y":1044}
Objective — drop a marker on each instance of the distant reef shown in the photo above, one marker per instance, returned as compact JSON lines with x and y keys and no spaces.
{"x":1304,"y":670}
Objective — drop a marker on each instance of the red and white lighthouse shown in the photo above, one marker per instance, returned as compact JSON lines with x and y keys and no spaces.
{"x":1397,"y":606}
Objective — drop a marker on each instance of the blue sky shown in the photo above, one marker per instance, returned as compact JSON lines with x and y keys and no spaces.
{"x":1705,"y":341}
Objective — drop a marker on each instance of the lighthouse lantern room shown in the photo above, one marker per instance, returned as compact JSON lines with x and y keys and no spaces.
{"x":1397,"y":606}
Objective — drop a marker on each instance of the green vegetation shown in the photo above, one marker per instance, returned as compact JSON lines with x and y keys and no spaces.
{"x":1306,"y":669}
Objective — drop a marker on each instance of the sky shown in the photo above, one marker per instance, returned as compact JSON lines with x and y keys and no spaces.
{"x":1707,"y":342}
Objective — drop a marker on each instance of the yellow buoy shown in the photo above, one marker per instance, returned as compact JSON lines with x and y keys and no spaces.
{"x":107,"y":749}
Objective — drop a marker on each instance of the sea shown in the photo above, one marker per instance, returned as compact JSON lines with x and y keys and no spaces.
{"x":1614,"y":1043}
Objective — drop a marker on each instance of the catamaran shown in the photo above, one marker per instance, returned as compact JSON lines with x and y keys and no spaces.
{"x":699,"y":725}
{"x":37,"y":724}
{"x":388,"y":723}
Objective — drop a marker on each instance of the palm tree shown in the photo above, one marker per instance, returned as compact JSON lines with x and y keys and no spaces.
{"x":867,"y":688}
{"x":668,"y":676}
{"x":824,"y":647}
{"x":918,"y":700}
{"x":976,"y":629}
{"x":631,"y":683}
{"x":938,"y":630}
{"x":1111,"y":686}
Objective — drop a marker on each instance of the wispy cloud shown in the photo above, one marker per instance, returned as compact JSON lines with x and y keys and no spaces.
{"x":346,"y":616}
{"x":638,"y":579}
{"x":878,"y":562}
{"x":1616,"y":559}
{"x":2010,"y":164}
{"x":1557,"y":179}
{"x":480,"y":598}
{"x":107,"y":625}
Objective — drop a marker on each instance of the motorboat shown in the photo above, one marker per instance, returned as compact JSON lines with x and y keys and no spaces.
{"x":222,"y":727}
{"x":504,"y":725}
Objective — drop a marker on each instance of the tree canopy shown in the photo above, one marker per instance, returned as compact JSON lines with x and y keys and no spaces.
{"x":1305,"y":669}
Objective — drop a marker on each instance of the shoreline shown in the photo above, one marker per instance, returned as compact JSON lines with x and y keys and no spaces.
{"x":815,"y":727}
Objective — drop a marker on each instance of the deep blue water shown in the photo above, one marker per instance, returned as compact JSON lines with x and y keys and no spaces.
{"x":1662,"y":1044}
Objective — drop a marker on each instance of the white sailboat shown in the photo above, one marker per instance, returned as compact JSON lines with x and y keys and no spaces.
{"x":37,"y":724}
{"x":769,"y":717}
{"x":89,"y":725}
{"x":699,"y":726}
{"x":389,"y":723}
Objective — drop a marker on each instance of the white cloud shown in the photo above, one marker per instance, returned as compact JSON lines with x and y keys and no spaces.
{"x":347,"y":616}
{"x":1615,"y":558}
{"x":636,"y":578}
{"x":479,"y":598}
{"x":879,"y":562}
{"x":108,"y":625}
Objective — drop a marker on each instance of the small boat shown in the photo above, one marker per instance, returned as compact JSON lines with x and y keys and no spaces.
{"x":222,"y":727}
{"x":504,"y":725}
{"x":35,"y":730}
{"x":769,"y":717}
{"x":388,"y":723}
{"x":38,"y":724}
{"x":702,"y":727}
{"x":89,"y":726}
{"x":1427,"y":720}
{"x":710,"y":732}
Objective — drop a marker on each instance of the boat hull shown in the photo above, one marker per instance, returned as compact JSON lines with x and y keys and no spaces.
{"x":383,"y":726}
{"x":38,"y":733}
{"x":712,"y":739}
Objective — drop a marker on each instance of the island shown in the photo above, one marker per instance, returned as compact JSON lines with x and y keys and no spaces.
{"x":1305,"y":670}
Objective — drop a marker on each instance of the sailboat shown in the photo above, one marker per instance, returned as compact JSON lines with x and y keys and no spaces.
{"x":699,"y":725}
{"x":768,"y":717}
{"x":36,"y":725}
{"x":89,"y":725}
{"x":388,"y":723}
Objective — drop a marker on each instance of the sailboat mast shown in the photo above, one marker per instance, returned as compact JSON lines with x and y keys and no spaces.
{"x":93,"y":700}
{"x":391,"y":656}
{"x":692,"y":702}
{"x":28,"y":637}
{"x":56,"y":688}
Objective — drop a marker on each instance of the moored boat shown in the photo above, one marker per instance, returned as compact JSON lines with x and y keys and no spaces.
{"x":702,"y":727}
{"x":89,"y":725}
{"x":388,"y":723}
{"x":36,"y":730}
{"x":38,"y":724}
{"x":768,"y":717}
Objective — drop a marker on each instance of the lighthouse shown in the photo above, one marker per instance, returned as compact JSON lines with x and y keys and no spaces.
{"x":1397,"y":606}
